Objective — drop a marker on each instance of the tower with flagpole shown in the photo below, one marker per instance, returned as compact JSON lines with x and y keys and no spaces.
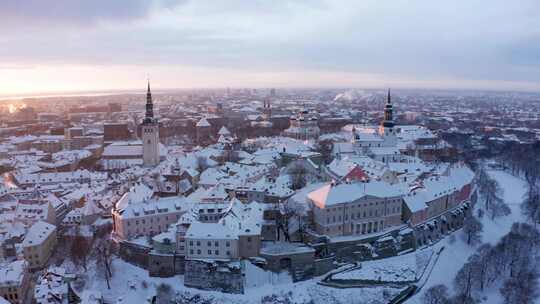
{"x":387,"y":127}
{"x":150,"y":133}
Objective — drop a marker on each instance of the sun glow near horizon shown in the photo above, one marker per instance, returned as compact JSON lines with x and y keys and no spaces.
{"x":49,"y":79}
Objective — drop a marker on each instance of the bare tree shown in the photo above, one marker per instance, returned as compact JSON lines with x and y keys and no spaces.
{"x":472,"y":229}
{"x":481,"y":263}
{"x":80,"y":251}
{"x":510,"y":259}
{"x":523,"y":288}
{"x":298,"y":176}
{"x":104,"y":260}
{"x":164,"y":294}
{"x":488,"y":187}
{"x":202,"y":163}
{"x":291,"y":213}
{"x":437,"y":294}
{"x":499,"y":208}
{"x":464,"y":279}
{"x":325,"y":148}
{"x":531,"y":205}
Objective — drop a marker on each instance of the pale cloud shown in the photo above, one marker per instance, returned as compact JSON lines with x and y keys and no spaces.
{"x":460,"y":43}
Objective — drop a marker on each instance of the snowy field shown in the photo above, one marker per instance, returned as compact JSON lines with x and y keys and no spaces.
{"x":456,"y":253}
{"x":404,"y":268}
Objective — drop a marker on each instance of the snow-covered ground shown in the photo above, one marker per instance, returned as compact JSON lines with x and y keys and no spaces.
{"x":403,"y":268}
{"x":456,"y":253}
{"x":132,"y":284}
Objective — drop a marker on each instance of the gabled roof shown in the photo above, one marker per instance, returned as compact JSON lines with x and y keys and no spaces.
{"x":224,"y":131}
{"x":136,"y":194}
{"x":38,"y":233}
{"x":329,"y":194}
{"x":203,"y":123}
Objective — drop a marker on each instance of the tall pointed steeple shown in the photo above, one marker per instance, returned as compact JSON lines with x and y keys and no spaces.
{"x":388,"y":121}
{"x":149,"y":117}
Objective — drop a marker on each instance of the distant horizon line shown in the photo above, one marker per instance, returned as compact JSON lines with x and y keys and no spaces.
{"x":135,"y":91}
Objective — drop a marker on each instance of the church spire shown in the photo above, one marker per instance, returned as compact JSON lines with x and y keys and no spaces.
{"x":149,"y":117}
{"x":388,"y":121}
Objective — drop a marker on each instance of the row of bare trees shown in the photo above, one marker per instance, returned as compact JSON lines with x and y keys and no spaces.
{"x":512,"y":263}
{"x":85,"y":249}
{"x":492,"y":193}
{"x":524,"y":160}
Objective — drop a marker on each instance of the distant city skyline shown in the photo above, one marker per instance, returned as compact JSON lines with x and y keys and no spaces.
{"x":75,"y":45}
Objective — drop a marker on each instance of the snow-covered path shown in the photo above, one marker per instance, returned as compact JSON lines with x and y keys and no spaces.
{"x":457,"y":253}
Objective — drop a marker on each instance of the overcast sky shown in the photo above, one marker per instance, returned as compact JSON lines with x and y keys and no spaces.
{"x":74,"y":45}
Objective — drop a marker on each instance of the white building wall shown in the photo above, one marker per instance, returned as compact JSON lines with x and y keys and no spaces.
{"x":150,"y":138}
{"x":216,"y":249}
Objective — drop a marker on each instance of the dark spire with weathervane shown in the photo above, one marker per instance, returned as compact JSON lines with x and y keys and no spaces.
{"x":388,"y":121}
{"x":149,"y":117}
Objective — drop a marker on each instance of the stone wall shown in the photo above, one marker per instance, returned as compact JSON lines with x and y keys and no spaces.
{"x":323,"y":266}
{"x":165,"y":265}
{"x":438,"y":227}
{"x":214,"y":276}
{"x":134,"y":254}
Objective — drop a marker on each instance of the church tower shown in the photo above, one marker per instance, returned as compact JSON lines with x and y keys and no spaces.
{"x":150,"y":133}
{"x":267,"y":109}
{"x":387,"y":128}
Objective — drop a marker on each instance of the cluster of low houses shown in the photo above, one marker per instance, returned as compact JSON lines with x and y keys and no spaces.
{"x":379,"y":186}
{"x":34,"y":208}
{"x":207,"y":212}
